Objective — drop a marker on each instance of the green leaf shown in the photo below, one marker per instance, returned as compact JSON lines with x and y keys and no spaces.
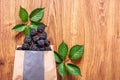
{"x":23,"y":14}
{"x":32,"y":25}
{"x":37,"y":23}
{"x":73,"y":69}
{"x":76,"y":52}
{"x":63,"y":50}
{"x":37,"y":14}
{"x":19,"y":27}
{"x":27,"y":31}
{"x":57,"y":57}
{"x":62,"y":69}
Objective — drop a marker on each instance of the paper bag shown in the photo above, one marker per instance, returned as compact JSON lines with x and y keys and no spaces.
{"x":34,"y":65}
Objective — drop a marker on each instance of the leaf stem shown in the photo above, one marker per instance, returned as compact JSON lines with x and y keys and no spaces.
{"x":63,"y":78}
{"x":66,"y":60}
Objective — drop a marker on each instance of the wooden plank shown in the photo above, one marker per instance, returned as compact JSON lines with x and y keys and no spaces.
{"x":102,"y":45}
{"x":95,"y":23}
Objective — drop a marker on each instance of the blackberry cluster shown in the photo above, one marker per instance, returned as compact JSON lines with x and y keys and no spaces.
{"x":37,"y":41}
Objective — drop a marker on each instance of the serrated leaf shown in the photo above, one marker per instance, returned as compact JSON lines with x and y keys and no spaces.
{"x":73,"y":69}
{"x":62,"y":69}
{"x":63,"y":50}
{"x":19,"y":27}
{"x":57,"y":57}
{"x":27,"y":31}
{"x":37,"y":14}
{"x":23,"y":14}
{"x":76,"y":52}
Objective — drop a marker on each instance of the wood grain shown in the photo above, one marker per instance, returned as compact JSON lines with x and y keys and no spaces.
{"x":94,"y":23}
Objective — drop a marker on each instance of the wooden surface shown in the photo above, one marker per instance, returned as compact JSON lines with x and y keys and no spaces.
{"x":94,"y":23}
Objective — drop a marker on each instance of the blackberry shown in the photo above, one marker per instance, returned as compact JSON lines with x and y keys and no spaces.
{"x":40,"y":43}
{"x":33,"y":32}
{"x":19,"y":48}
{"x":43,"y":35}
{"x":42,"y":49}
{"x":27,"y":40}
{"x":25,"y":46}
{"x":41,"y":28}
{"x":47,"y":42}
{"x":48,"y":48}
{"x":35,"y":38}
{"x":34,"y":47}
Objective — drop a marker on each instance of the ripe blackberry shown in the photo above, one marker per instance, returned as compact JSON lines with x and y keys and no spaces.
{"x":42,"y":49}
{"x":48,"y":48}
{"x":27,"y":40}
{"x":19,"y":48}
{"x":35,"y":38}
{"x":47,"y":42}
{"x":40,"y":43}
{"x":43,"y":35}
{"x":25,"y":46}
{"x":33,"y":32}
{"x":41,"y":28}
{"x":34,"y":47}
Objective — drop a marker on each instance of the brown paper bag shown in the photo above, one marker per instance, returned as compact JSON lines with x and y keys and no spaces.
{"x":34,"y":65}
